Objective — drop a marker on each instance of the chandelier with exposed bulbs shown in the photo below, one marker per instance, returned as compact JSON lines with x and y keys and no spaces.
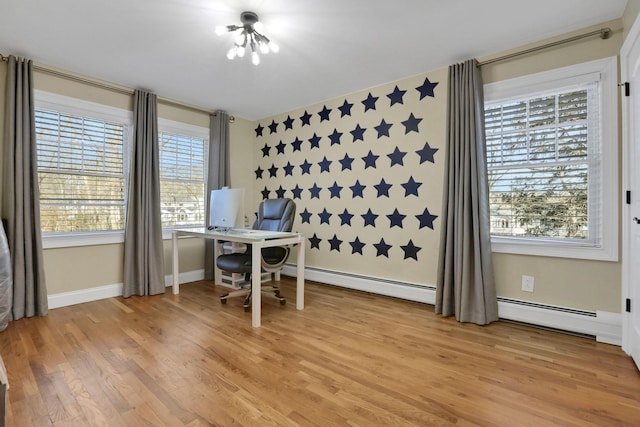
{"x":248,"y":36}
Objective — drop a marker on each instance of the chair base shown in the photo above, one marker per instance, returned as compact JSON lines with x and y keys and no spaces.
{"x":271,"y":291}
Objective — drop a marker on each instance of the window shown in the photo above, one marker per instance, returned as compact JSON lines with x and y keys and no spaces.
{"x":183,"y":173}
{"x":551,"y":144}
{"x":81,"y":149}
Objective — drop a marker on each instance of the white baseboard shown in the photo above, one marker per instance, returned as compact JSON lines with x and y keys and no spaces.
{"x":64,"y":299}
{"x":606,"y":327}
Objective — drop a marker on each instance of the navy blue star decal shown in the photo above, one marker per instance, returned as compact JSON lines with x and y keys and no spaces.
{"x":426,"y":153}
{"x":395,"y":219}
{"x":259,"y":130}
{"x":383,"y":128}
{"x":273,"y":127}
{"x":356,"y":189}
{"x":369,"y":218}
{"x":259,"y":172}
{"x":411,"y":187}
{"x":315,"y":191}
{"x":265,"y":193}
{"x":324,"y":216}
{"x":324,"y":113}
{"x":280,"y":147}
{"x":265,"y":150}
{"x":426,"y":219}
{"x":358,"y":133}
{"x":273,"y":171}
{"x":306,"y":167}
{"x":345,"y":109}
{"x":356,"y":246}
{"x":346,"y":162}
{"x":411,"y":250}
{"x":315,"y":141}
{"x":296,"y":143}
{"x":345,"y":218}
{"x":427,"y":88}
{"x":370,"y":102}
{"x":335,"y":243}
{"x":280,"y":192}
{"x":396,"y":96}
{"x":305,"y":216}
{"x":397,"y":156}
{"x":382,"y":248}
{"x":335,"y":137}
{"x":315,"y":241}
{"x":324,"y":164}
{"x":288,"y":124}
{"x":288,"y":169}
{"x":305,"y":118}
{"x":411,"y":124}
{"x":335,"y":190}
{"x":297,"y":192}
{"x":370,"y":160}
{"x":383,"y":188}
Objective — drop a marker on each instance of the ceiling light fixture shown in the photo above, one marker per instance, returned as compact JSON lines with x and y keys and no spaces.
{"x":248,"y":36}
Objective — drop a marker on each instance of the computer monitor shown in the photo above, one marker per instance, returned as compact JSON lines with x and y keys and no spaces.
{"x":226,"y":208}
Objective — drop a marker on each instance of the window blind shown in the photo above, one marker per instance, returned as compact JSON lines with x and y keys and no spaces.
{"x":80,"y":172}
{"x":541,"y":157}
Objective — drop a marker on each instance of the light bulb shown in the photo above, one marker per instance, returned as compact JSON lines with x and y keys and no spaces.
{"x":255,"y":58}
{"x":221,"y":29}
{"x":232,"y":52}
{"x":240,"y":37}
{"x":240,"y":51}
{"x":264,"y":48}
{"x":258,"y":26}
{"x":274,"y":47}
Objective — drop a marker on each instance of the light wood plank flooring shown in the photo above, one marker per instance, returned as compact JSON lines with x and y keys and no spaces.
{"x":348,"y":359}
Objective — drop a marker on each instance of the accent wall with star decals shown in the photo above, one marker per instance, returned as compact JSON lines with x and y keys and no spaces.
{"x":366,"y":173}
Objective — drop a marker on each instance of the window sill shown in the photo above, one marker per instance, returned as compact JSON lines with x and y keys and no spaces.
{"x":69,"y":240}
{"x":547,"y":248}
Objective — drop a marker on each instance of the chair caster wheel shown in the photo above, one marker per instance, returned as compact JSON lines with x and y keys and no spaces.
{"x":283,"y":301}
{"x":247,"y":308}
{"x":223,"y":301}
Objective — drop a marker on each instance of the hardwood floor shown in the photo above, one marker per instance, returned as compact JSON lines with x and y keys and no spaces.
{"x":348,"y":359}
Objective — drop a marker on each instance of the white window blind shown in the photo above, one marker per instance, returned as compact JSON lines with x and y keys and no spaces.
{"x":80,"y":172}
{"x":542,"y":159}
{"x":183,"y":176}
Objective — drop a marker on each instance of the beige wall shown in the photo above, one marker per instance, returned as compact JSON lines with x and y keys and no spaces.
{"x":630,"y":14}
{"x":587,"y":285}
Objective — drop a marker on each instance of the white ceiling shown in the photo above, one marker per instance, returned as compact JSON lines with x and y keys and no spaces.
{"x":328,"y":48}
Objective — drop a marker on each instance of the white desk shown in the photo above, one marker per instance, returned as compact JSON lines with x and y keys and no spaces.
{"x":258,"y":239}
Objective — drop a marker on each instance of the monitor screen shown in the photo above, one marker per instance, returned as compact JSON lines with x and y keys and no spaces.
{"x":226,"y":208}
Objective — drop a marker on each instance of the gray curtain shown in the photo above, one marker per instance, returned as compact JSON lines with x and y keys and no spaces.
{"x":143,"y":248}
{"x":20,"y":193}
{"x":218,"y":173}
{"x":465,"y":286}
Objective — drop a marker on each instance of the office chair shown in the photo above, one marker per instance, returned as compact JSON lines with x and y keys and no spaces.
{"x":273,"y":215}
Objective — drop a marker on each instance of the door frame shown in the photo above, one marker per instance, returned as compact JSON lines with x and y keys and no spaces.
{"x":633,"y":37}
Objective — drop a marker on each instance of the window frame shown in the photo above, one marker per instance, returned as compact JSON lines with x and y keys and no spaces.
{"x":194,"y":131}
{"x":606,"y":249}
{"x":69,"y":105}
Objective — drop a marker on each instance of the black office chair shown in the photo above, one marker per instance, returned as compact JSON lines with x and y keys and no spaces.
{"x":273,"y":215}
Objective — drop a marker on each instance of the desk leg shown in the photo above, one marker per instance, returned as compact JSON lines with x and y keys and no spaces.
{"x":217,"y":273}
{"x":300,"y":276}
{"x":176,"y":271}
{"x":256,"y":283}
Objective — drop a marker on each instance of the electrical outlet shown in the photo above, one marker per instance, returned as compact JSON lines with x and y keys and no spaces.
{"x":527,"y":283}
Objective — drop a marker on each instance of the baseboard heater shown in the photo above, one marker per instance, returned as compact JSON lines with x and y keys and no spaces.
{"x":603,"y":326}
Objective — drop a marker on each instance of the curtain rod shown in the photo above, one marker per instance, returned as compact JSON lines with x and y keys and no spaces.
{"x":604,"y":34}
{"x":113,"y":87}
